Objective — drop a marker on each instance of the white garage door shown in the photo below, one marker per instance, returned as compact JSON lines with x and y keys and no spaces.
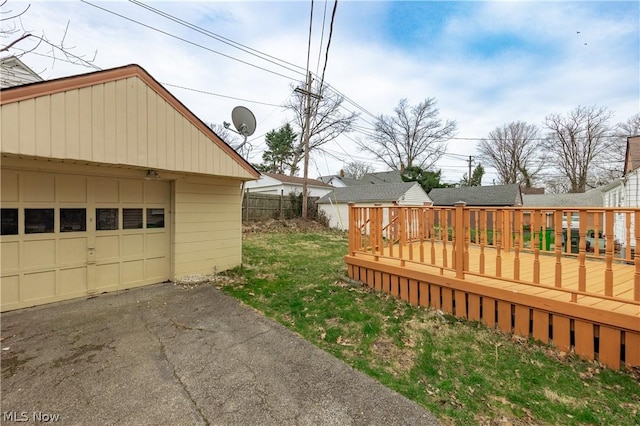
{"x":66,"y":236}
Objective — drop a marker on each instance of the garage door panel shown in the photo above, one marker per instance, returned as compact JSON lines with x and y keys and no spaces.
{"x":39,"y":285}
{"x":107,"y":275}
{"x":102,"y":254}
{"x":9,"y":186}
{"x":38,"y":187}
{"x":155,"y":244}
{"x":72,"y":281}
{"x":71,"y":189}
{"x":133,"y":245}
{"x":157,"y":268}
{"x":131,"y":191}
{"x":10,"y":289}
{"x":73,"y":250}
{"x":106,"y":191}
{"x":107,"y":247}
{"x":10,"y":251}
{"x":155,"y":192}
{"x":132,"y":272}
{"x":39,"y":253}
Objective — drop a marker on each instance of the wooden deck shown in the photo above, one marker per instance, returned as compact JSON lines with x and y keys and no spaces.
{"x":588,"y":303}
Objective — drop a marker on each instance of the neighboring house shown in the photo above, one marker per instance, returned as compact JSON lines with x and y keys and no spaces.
{"x":336,"y":204}
{"x":277,"y":184}
{"x":375,"y":178}
{"x":339,"y":181}
{"x":591,"y":198}
{"x":13,"y":72}
{"x":480,"y":196}
{"x":109,"y":182}
{"x":625,"y":192}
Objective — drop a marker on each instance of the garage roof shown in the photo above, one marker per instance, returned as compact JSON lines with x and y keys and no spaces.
{"x":117,"y":116}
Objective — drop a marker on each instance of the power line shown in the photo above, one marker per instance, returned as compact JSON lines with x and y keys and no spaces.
{"x":222,"y":39}
{"x":219,"y":95}
{"x":186,"y":41}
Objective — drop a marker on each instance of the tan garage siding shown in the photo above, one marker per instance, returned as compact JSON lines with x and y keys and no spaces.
{"x":129,"y":121}
{"x":208,"y":235}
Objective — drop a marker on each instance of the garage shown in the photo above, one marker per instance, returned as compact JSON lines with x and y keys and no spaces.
{"x":96,"y":201}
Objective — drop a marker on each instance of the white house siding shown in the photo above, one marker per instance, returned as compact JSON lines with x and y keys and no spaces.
{"x":286,"y":189}
{"x":625,"y":194}
{"x":208,"y":237}
{"x":415,"y":196}
{"x":338,"y":214}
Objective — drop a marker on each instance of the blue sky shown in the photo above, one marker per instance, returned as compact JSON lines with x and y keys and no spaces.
{"x":486,"y":63}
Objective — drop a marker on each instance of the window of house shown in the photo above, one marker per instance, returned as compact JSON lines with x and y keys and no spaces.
{"x":9,"y":218}
{"x":155,"y":218}
{"x":106,"y":219}
{"x":131,"y":218}
{"x":73,"y":220}
{"x":38,"y":221}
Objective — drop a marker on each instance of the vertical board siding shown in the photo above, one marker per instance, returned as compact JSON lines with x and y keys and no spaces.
{"x":208,"y":235}
{"x":124,"y":122}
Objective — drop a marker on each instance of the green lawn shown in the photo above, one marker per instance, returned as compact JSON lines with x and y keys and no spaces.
{"x":461,"y":371}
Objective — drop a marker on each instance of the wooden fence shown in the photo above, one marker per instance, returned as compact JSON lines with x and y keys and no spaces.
{"x":259,"y":206}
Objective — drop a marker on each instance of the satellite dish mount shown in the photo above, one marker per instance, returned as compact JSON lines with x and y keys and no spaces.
{"x":243,"y":120}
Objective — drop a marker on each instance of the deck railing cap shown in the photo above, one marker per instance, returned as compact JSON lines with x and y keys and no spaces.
{"x":460,"y":204}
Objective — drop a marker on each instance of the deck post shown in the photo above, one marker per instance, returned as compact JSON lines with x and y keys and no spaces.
{"x":636,"y":277}
{"x":459,"y":238}
{"x":608,"y":272}
{"x":352,"y":229}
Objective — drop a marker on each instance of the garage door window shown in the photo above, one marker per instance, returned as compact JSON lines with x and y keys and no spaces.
{"x":38,"y":221}
{"x":155,"y":218}
{"x":131,"y":218}
{"x":73,"y":220}
{"x":9,"y":221}
{"x":106,"y":219}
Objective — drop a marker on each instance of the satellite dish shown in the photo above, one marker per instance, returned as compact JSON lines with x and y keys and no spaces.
{"x":243,"y":120}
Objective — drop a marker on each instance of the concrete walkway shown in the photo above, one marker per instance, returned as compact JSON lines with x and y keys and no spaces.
{"x":169,"y":355}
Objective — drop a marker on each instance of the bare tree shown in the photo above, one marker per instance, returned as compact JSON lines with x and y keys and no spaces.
{"x":414,"y":136}
{"x":513,"y":149}
{"x":19,"y":41}
{"x":629,"y":128}
{"x":235,"y":141}
{"x":578,"y":142}
{"x":327,"y":120}
{"x":356,"y":169}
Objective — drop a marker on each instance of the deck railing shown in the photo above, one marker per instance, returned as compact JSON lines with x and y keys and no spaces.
{"x":492,"y":242}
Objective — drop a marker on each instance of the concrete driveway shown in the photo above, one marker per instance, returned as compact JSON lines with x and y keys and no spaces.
{"x":166,"y":354}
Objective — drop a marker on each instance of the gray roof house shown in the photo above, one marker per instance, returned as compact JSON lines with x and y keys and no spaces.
{"x":493,"y":195}
{"x":335,"y":205}
{"x":375,"y":178}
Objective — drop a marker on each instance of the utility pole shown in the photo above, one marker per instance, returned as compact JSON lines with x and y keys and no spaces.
{"x":469,"y":175}
{"x":307,"y":130}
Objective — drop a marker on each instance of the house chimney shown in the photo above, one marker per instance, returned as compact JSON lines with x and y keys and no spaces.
{"x":341,"y":173}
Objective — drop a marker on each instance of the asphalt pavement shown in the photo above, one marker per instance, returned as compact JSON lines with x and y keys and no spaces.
{"x":175,"y":355}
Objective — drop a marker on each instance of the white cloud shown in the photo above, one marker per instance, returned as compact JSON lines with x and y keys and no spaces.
{"x":545,"y":67}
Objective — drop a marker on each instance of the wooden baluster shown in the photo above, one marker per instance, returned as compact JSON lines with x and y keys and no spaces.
{"x":582,"y":254}
{"x":497,"y":234}
{"x":459,"y":238}
{"x":608,"y":271}
{"x":557,"y":245}
{"x":596,"y":235}
{"x":353,"y":227}
{"x":483,"y":237}
{"x":517,"y":243}
{"x":402,"y":240}
{"x":467,"y":238}
{"x":536,"y":241}
{"x":432,"y":231}
{"x":636,"y":276}
{"x":445,"y":237}
{"x":627,"y":251}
